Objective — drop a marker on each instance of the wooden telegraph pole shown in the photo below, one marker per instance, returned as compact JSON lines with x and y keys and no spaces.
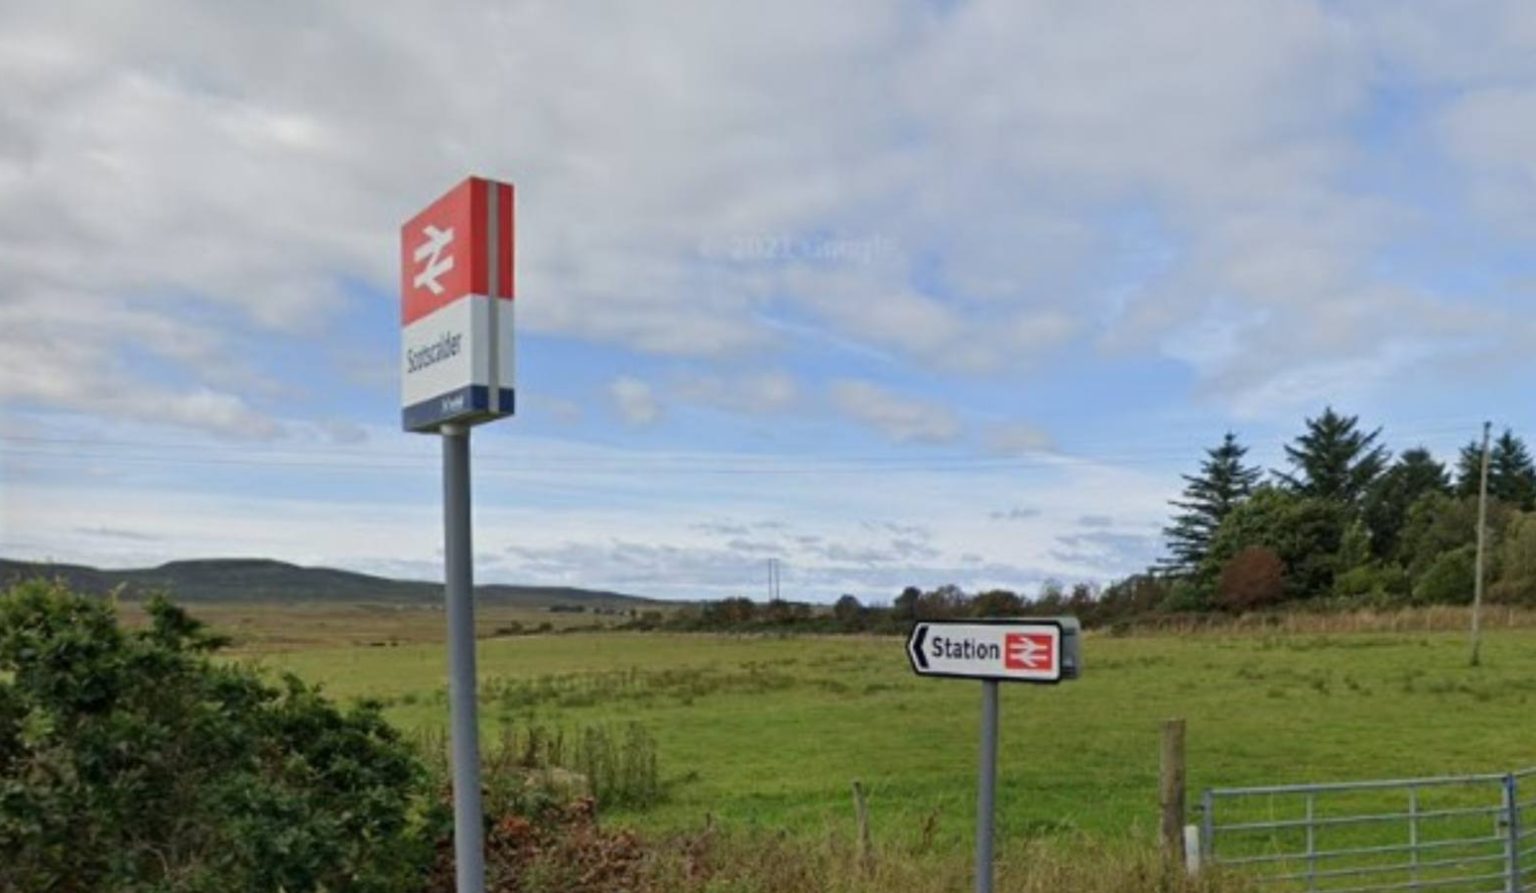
{"x":1482,"y":547}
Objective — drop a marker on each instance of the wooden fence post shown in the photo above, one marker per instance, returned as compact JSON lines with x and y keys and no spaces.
{"x":1171,"y":792}
{"x":861,"y":813}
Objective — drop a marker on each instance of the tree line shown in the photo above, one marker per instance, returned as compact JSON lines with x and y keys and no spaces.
{"x":1350,"y":522}
{"x":1347,"y":524}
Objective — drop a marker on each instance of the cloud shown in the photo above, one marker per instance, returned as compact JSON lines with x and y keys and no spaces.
{"x":1485,"y":131}
{"x":57,"y":353}
{"x":635,"y":400}
{"x":1015,"y":514}
{"x":756,"y":394}
{"x":902,"y":419}
{"x":910,"y":531}
{"x":1015,"y":439}
{"x":1129,"y":549}
{"x":116,"y":533}
{"x":238,"y":170}
{"x":721,"y":528}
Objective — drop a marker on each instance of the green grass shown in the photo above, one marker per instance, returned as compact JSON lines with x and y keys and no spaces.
{"x":770,"y":732}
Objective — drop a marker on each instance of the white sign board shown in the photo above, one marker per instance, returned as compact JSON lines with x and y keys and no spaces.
{"x":456,"y":272}
{"x":1019,"y":651}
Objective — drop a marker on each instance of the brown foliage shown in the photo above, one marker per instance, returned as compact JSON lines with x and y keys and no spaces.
{"x":564,"y":849}
{"x":1254,"y":578}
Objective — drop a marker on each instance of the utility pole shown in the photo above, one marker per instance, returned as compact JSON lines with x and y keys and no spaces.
{"x":1482,"y":546}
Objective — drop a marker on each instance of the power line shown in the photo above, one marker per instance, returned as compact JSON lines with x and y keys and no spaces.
{"x":681,"y":463}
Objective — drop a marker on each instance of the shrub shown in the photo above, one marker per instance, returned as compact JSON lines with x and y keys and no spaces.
{"x":1254,"y":578}
{"x":1449,"y":579}
{"x":1376,"y":583}
{"x":131,"y":761}
{"x":1186,"y":596}
{"x":1517,"y":579}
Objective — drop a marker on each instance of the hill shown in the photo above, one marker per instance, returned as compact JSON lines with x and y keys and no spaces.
{"x":264,"y":580}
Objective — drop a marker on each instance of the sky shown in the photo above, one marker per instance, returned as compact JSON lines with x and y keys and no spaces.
{"x":894,"y":293}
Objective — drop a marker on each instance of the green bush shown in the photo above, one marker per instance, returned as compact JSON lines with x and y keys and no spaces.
{"x":1517,"y":572}
{"x":132,"y":761}
{"x":1186,"y":596}
{"x":1378,"y":584}
{"x":1449,"y":579}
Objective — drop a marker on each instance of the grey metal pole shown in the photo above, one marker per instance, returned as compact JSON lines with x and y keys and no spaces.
{"x":986,"y":787}
{"x":468,"y":816}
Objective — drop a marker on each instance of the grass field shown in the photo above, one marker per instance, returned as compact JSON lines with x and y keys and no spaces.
{"x":770,"y":732}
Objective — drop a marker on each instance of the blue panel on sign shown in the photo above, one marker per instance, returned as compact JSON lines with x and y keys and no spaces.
{"x":470,"y":405}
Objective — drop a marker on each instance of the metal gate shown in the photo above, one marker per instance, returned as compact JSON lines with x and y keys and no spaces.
{"x":1456,"y":834}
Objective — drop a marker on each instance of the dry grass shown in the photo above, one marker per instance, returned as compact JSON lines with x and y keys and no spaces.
{"x":758,"y":861}
{"x":264,"y":628}
{"x":1435,"y":618}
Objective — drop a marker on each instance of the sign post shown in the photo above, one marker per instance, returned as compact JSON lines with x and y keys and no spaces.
{"x":1026,"y":650}
{"x":457,"y":372}
{"x":986,"y":787}
{"x":464,"y":734}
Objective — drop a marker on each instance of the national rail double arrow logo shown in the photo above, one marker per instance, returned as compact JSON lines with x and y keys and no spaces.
{"x":430,"y":252}
{"x":1022,"y":651}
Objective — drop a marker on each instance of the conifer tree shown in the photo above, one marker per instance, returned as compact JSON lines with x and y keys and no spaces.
{"x":1469,"y":469}
{"x":1222,"y":484}
{"x":1334,"y":459}
{"x":1415,"y":473}
{"x":1511,"y":473}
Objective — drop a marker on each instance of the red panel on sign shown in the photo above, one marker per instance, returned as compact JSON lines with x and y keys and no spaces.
{"x":1024,"y":651}
{"x":509,"y":244}
{"x":447,"y":251}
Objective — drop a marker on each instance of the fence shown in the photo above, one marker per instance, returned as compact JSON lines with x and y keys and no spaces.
{"x":1456,"y":834}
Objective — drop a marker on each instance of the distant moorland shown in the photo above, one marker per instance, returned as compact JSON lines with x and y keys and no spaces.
{"x":263,"y":580}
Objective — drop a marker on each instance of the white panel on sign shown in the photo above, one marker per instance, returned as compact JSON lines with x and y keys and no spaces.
{"x":508,"y":345}
{"x":437,"y":353}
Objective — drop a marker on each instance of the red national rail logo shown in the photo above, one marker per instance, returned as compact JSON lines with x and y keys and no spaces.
{"x":1028,"y":651}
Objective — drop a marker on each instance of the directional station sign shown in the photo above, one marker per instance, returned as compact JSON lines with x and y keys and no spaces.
{"x":456,"y":293}
{"x":1040,"y":650}
{"x":1026,"y":650}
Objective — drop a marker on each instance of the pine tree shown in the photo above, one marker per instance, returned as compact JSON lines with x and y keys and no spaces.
{"x":1386,"y":505}
{"x":1511,"y":473}
{"x":1334,"y":459}
{"x":1469,"y":469}
{"x":1222,"y":484}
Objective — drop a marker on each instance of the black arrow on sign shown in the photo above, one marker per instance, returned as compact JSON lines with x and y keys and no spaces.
{"x":915,"y":646}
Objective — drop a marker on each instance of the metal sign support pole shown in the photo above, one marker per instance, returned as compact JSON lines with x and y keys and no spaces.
{"x":468,"y":816}
{"x":986,"y":793}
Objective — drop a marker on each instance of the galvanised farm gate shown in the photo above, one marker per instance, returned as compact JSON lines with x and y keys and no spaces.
{"x":1455,"y":834}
